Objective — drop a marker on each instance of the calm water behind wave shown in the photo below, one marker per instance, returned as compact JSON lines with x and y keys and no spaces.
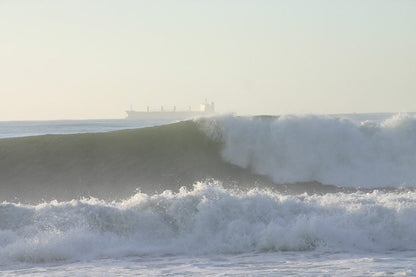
{"x":33,"y":128}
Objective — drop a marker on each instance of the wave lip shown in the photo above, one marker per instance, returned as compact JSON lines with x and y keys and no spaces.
{"x":207,"y":220}
{"x":325,"y":149}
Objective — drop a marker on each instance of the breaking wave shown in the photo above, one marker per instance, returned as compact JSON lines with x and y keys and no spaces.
{"x":325,"y":149}
{"x":205,"y":220}
{"x":243,"y":151}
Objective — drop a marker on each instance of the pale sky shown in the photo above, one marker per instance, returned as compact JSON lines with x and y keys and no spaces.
{"x":94,"y":59}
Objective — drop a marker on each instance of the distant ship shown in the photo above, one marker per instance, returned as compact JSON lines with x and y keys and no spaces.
{"x":206,"y":109}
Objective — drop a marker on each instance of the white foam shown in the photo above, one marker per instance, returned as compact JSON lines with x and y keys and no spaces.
{"x":207,"y":220}
{"x":323,"y":148}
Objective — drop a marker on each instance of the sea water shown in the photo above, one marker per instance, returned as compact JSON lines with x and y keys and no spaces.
{"x":214,"y":230}
{"x":41,"y":127}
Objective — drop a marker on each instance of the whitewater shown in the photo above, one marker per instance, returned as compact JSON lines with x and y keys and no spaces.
{"x":329,"y":150}
{"x":291,"y":195}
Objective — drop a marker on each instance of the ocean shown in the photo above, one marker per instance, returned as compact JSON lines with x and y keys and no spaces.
{"x":290,"y":195}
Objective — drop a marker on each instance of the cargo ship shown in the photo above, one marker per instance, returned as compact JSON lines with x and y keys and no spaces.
{"x":206,"y":109}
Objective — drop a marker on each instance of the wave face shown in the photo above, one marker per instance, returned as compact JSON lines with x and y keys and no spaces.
{"x":112,"y":165}
{"x":325,"y":149}
{"x":207,"y":219}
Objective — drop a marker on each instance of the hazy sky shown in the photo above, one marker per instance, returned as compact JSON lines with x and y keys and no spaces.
{"x":94,"y":59}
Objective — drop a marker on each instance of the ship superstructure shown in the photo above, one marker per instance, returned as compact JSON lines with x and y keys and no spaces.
{"x":174,"y":114}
